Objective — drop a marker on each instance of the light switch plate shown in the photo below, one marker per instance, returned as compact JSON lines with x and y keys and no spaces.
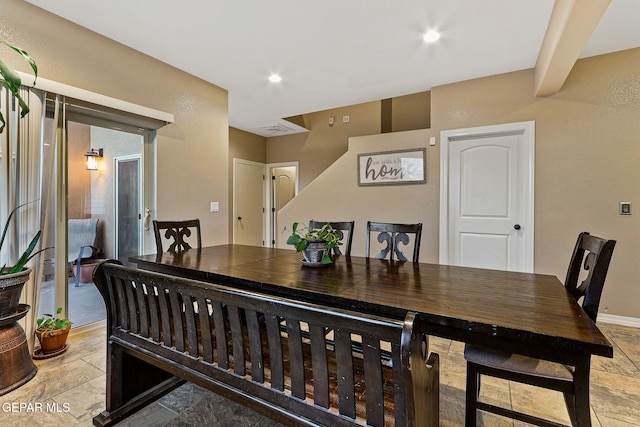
{"x":215,"y":206}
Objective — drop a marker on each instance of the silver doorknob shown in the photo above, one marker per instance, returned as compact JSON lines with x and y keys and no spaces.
{"x":517,"y":227}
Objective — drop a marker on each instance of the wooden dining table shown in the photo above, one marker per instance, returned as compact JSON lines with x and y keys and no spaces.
{"x":529,"y":314}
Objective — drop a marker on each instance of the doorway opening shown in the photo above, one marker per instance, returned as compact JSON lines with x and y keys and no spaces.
{"x":100,"y":204}
{"x":281,"y":189}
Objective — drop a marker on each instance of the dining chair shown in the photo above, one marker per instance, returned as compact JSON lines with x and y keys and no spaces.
{"x":393,"y":235}
{"x":592,"y":254}
{"x":341,"y":228}
{"x":176,"y":231}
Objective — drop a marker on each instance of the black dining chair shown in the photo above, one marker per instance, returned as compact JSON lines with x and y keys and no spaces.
{"x":593,"y":254}
{"x":341,"y":228}
{"x":393,"y":235}
{"x":175,"y":232}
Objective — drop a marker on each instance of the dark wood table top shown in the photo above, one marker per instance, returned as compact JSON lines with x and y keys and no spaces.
{"x":529,"y":313}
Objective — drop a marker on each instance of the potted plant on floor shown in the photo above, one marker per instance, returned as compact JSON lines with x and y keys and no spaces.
{"x":315,"y":244}
{"x":52,"y":332}
{"x":13,"y":278}
{"x":15,"y":361}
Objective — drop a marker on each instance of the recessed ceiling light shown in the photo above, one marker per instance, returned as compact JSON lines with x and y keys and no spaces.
{"x":431,"y":36}
{"x":274,"y":78}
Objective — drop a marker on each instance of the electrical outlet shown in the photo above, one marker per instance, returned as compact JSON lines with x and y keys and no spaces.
{"x":345,"y":119}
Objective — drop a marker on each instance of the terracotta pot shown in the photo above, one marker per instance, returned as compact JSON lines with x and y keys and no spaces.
{"x":10,"y":289}
{"x":86,"y":270}
{"x":54,"y":340}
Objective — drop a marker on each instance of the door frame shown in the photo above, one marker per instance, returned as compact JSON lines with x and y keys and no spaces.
{"x":116,"y":160}
{"x":527,"y":130}
{"x":270,"y":234}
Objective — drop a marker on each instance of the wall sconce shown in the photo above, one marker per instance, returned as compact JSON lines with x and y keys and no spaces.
{"x":92,"y":159}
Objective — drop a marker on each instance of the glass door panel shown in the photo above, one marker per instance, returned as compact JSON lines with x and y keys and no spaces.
{"x":97,"y":198}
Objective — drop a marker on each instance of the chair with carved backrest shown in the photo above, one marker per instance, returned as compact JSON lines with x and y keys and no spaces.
{"x":341,"y":228}
{"x":393,"y":235}
{"x":176,"y":231}
{"x":593,"y":254}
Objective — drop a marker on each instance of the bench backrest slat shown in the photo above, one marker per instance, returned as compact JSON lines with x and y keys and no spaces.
{"x":255,"y":342}
{"x":221,"y":338}
{"x":205,"y":327}
{"x":237,"y":340}
{"x":274,"y":349}
{"x":296,"y":360}
{"x":320,"y":366}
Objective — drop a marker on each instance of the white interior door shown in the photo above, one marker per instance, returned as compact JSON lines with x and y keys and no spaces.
{"x":248,"y":205}
{"x":487,"y":197}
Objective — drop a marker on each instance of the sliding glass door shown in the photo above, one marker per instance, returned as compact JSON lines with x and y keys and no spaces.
{"x":91,"y":214}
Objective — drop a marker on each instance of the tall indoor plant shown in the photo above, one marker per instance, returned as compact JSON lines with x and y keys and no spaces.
{"x":15,"y":358}
{"x":13,"y":277}
{"x":12,"y":80}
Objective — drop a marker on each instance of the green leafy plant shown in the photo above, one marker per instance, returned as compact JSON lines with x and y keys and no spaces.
{"x":301,"y":235}
{"x":13,"y":82}
{"x":26,"y":256}
{"x":52,"y":323}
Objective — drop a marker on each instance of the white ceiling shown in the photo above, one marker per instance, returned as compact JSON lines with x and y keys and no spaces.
{"x":334,"y":53}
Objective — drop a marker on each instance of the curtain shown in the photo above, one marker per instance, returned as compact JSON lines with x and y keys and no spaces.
{"x":21,"y":184}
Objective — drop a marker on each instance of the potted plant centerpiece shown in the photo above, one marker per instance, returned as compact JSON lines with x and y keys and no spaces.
{"x":52,"y":332}
{"x":315,"y":244}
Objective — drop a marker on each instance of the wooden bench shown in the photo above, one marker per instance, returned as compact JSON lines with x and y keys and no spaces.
{"x":164,"y":329}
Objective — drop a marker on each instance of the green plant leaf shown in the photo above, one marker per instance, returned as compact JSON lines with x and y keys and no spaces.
{"x":301,"y":245}
{"x":13,"y":82}
{"x":26,"y":256}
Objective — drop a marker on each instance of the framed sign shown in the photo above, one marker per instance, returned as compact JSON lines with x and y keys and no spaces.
{"x":392,"y":167}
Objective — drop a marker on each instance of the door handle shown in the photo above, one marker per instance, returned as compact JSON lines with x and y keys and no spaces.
{"x":239,"y":218}
{"x":517,"y":227}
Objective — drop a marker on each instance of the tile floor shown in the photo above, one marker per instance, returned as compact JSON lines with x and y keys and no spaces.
{"x":75,"y":382}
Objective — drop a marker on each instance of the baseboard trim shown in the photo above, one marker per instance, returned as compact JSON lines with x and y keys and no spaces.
{"x":619,"y":320}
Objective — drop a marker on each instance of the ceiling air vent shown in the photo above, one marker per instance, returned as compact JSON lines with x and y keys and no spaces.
{"x":276,"y":128}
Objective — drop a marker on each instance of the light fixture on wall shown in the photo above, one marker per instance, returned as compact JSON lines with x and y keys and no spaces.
{"x":92,"y":158}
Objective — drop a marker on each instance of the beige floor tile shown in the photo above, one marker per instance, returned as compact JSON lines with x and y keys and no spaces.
{"x":77,"y":378}
{"x":539,"y":402}
{"x":84,"y":401}
{"x":616,"y":396}
{"x":610,"y":422}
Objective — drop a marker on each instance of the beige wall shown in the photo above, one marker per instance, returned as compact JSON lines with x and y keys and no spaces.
{"x":336,"y":196}
{"x":587,"y":161}
{"x":319,"y":148}
{"x":192,"y":153}
{"x":324,"y":144}
{"x":246,"y":146}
